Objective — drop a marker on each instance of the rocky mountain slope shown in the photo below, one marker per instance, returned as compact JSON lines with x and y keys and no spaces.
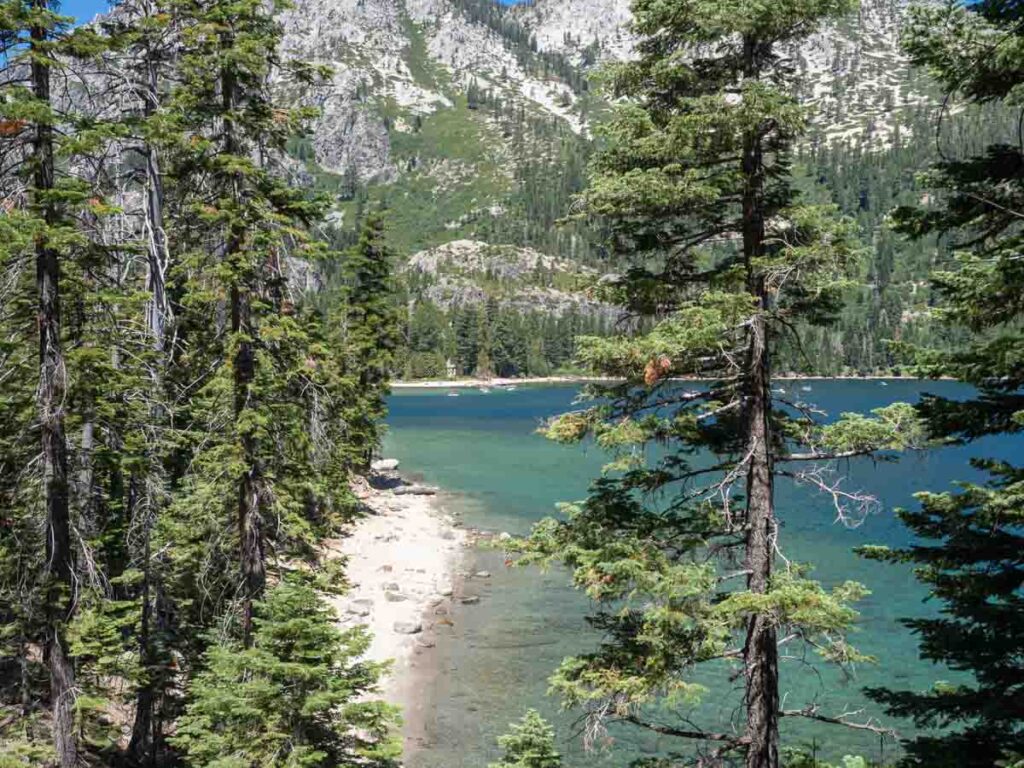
{"x":854,"y":77}
{"x":522,"y":279}
{"x":470,"y":121}
{"x":398,"y":60}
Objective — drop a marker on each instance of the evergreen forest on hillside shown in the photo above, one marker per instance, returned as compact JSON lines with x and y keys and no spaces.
{"x":200,"y":325}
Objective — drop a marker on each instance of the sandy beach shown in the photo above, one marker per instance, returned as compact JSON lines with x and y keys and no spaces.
{"x":403,"y":563}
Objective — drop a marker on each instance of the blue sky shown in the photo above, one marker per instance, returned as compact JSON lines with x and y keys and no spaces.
{"x":83,"y":10}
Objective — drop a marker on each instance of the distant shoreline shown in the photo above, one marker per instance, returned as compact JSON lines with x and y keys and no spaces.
{"x":495,"y":382}
{"x":526,"y":381}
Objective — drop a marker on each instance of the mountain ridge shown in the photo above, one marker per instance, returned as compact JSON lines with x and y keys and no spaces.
{"x":470,"y":121}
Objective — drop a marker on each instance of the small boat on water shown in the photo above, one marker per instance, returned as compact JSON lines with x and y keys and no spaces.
{"x":805,"y":388}
{"x":485,"y":390}
{"x":453,"y":394}
{"x":883,"y":383}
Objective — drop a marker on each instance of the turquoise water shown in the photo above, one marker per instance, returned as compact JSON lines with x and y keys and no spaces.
{"x":495,"y":659}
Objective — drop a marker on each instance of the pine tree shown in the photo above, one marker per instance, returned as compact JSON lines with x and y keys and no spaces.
{"x":147,"y":33}
{"x":46,"y":203}
{"x":467,"y":339}
{"x":531,"y":744}
{"x":293,"y":696}
{"x":371,"y":338}
{"x":508,"y":347}
{"x":246,"y":222}
{"x":969,"y":542}
{"x":43,"y":192}
{"x":427,"y":342}
{"x":694,"y":180}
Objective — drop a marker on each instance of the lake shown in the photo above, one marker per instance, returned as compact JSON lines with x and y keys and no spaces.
{"x":499,"y":475}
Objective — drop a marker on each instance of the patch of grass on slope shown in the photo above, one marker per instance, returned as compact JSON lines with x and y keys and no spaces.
{"x":451,"y":172}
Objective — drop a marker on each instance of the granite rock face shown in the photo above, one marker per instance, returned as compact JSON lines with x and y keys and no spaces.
{"x":528,"y":280}
{"x":397,"y":116}
{"x":410,"y":56}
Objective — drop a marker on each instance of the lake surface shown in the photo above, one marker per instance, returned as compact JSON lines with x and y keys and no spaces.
{"x":494,"y":662}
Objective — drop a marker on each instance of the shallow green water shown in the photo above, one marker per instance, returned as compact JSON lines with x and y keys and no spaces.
{"x":495,"y":660}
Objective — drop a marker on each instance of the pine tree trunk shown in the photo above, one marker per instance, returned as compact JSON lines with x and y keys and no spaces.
{"x":250,"y":522}
{"x":147,"y":734}
{"x":143,"y":745}
{"x":147,"y":729}
{"x":59,"y":573}
{"x":139,"y":745}
{"x":157,"y":247}
{"x":760,"y":652}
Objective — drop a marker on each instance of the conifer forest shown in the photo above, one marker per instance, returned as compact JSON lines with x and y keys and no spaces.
{"x":242,"y":241}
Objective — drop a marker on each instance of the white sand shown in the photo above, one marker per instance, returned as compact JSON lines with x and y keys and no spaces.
{"x":409,"y":549}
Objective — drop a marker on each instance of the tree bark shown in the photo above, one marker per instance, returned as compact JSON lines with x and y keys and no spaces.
{"x":760,"y":652}
{"x":250,"y":522}
{"x":145,"y":738}
{"x":158,"y":257}
{"x":60,"y":560}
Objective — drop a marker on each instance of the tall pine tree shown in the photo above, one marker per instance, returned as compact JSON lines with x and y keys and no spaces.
{"x":44,"y":190}
{"x":693,"y":180}
{"x":246,"y":222}
{"x":371,"y":336}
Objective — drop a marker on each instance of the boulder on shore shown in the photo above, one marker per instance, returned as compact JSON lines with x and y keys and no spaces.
{"x":384,"y":465}
{"x":408,"y":627}
{"x":360,"y":607}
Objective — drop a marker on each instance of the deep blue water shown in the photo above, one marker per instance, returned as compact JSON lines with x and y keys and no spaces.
{"x":495,"y":660}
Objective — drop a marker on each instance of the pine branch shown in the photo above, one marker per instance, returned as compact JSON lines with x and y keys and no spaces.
{"x":861,"y":503}
{"x":811,"y":713}
{"x":667,"y":730}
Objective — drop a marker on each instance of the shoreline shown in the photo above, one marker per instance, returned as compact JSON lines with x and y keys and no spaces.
{"x":404,"y":563}
{"x":477,"y":383}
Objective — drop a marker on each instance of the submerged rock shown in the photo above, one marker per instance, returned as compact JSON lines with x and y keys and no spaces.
{"x":408,"y":627}
{"x":471,"y":600}
{"x":415,"y":490}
